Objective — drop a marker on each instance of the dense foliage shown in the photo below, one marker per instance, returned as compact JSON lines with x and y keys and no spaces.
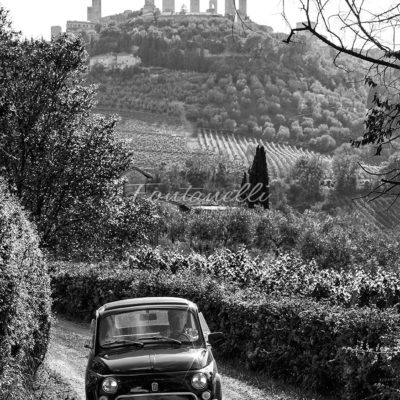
{"x":64,"y":163}
{"x":328,"y":348}
{"x":116,"y":226}
{"x":333,"y":241}
{"x":24,"y":300}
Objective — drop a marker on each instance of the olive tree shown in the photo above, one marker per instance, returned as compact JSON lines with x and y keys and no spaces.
{"x":62,"y":161}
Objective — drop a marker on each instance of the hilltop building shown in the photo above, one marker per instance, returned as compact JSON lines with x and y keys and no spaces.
{"x":243,"y":8}
{"x":168,"y":6}
{"x":194,"y":6}
{"x":118,"y":18}
{"x":213,"y":6}
{"x":149,"y":8}
{"x":56,"y":31}
{"x":114,"y":60}
{"x":230,"y":7}
{"x":81,"y":26}
{"x":94,"y":12}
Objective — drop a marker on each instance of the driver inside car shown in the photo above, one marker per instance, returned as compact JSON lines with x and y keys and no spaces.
{"x":177,"y":323}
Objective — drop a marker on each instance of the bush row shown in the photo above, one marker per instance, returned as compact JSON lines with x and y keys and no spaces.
{"x":334,"y":242}
{"x":24,"y":300}
{"x":287,"y":274}
{"x":348,"y":352}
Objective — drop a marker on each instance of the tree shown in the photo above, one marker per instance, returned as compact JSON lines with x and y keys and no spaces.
{"x":244,"y":187}
{"x":60,"y":160}
{"x":345,"y":169}
{"x":367,"y":36}
{"x":304,"y":182}
{"x":259,"y":180}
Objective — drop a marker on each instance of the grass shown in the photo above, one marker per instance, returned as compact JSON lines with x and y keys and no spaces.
{"x":48,"y":385}
{"x":260,"y":385}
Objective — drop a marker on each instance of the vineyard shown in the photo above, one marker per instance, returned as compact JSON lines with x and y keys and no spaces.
{"x":382,"y":212}
{"x":156,"y":143}
{"x":280,"y":157}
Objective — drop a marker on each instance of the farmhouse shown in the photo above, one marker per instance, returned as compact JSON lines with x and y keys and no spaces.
{"x":115,"y":60}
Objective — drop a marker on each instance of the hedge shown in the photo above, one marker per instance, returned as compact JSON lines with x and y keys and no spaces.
{"x":350,"y":352}
{"x":25,"y":300}
{"x":287,"y":274}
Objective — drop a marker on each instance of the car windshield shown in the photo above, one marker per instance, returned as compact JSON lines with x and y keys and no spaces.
{"x":173,"y":326}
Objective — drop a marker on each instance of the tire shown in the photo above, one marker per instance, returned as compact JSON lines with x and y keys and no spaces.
{"x":218,"y":389}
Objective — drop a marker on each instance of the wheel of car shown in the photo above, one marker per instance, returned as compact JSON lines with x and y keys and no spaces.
{"x":218,"y":390}
{"x":89,"y":396}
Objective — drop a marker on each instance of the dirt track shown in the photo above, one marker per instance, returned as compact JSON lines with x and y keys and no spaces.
{"x":67,"y":356}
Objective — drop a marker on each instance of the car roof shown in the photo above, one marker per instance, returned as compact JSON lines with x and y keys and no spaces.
{"x":145,"y":301}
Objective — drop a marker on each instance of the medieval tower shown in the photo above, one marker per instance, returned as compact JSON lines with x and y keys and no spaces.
{"x":243,"y":8}
{"x":168,"y":5}
{"x":194,"y":6}
{"x":94,"y":12}
{"x":213,"y":6}
{"x":230,"y":7}
{"x":56,"y":31}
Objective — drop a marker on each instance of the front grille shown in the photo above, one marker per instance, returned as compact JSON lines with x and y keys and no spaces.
{"x":176,"y":383}
{"x":159,"y":396}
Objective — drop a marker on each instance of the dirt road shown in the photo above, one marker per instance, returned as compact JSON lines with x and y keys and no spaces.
{"x":67,"y":356}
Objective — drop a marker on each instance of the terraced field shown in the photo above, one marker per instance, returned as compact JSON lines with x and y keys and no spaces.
{"x":381,"y":212}
{"x":154,"y":144}
{"x":280,"y":158}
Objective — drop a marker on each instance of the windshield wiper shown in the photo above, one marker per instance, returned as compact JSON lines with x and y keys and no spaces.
{"x":164,"y":339}
{"x":125,"y":341}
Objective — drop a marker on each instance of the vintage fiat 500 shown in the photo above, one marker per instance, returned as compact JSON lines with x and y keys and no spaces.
{"x":152,"y":348}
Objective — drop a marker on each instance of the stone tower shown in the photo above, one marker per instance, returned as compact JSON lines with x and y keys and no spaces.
{"x":168,"y":5}
{"x":213,"y":6}
{"x":243,"y":8}
{"x":56,"y":31}
{"x":230,"y":7}
{"x":194,"y":6}
{"x":149,"y":7}
{"x":94,"y":12}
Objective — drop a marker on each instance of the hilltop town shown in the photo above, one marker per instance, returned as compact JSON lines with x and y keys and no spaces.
{"x":149,"y":10}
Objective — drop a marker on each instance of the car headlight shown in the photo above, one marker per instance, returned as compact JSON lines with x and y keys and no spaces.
{"x":199,"y":381}
{"x":109,"y":385}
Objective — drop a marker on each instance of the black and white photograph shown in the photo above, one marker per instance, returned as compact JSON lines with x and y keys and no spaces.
{"x":199,"y":200}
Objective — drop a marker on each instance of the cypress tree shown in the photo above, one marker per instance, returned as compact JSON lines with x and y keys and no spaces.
{"x":259,"y":180}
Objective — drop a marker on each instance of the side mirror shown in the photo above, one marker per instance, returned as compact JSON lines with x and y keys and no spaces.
{"x":89,"y":343}
{"x":216,"y":338}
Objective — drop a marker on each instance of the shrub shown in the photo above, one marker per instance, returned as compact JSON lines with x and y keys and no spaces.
{"x":206,"y":231}
{"x":239,"y":227}
{"x":24,"y":299}
{"x":112,"y":230}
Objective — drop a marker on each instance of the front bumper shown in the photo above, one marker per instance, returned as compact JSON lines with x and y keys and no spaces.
{"x":159,"y":396}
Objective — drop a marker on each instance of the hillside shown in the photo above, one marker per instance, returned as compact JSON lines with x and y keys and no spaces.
{"x":216,"y":91}
{"x":222,"y":77}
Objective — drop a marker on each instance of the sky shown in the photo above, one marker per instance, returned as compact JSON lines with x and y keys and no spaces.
{"x":35,"y":17}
